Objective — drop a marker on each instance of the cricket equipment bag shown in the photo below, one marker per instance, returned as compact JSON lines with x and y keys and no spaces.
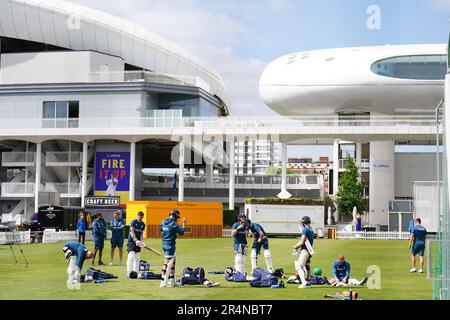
{"x":146,"y":275}
{"x":235,"y":276}
{"x":99,"y":274}
{"x":263,"y":279}
{"x":193,"y":276}
{"x":144,"y":265}
{"x":318,"y":280}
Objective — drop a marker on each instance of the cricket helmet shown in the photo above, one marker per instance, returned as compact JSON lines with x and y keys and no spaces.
{"x":133,"y":275}
{"x":175,"y":213}
{"x":317,"y":272}
{"x":306,"y":220}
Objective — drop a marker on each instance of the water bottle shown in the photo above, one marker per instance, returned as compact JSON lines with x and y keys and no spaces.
{"x":351,"y":295}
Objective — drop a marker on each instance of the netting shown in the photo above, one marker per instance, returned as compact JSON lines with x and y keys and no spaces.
{"x":441,"y":247}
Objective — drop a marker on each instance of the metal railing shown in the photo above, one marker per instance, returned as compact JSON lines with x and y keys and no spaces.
{"x":18,"y":189}
{"x":298,"y":182}
{"x":225,"y":123}
{"x":401,"y":206}
{"x":18,"y":159}
{"x":73,"y":188}
{"x":363,"y":165}
{"x":63,"y":158}
{"x":376,"y":235}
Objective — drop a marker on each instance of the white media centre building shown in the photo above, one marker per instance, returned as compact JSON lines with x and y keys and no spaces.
{"x":363,"y":86}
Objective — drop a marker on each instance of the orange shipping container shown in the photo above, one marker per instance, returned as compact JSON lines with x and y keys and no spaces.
{"x":204,"y":219}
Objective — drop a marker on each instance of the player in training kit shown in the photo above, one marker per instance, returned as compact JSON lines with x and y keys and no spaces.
{"x":76,"y":253}
{"x":341,"y":274}
{"x":417,"y":244}
{"x":305,"y":254}
{"x":170,"y":229}
{"x":135,"y":242}
{"x":117,"y":226}
{"x":99,"y":235}
{"x":239,"y":232}
{"x":260,"y":240}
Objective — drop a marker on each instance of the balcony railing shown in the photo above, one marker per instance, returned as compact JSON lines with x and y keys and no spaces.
{"x":363,"y":165}
{"x":308,"y":182}
{"x":18,"y":159}
{"x":18,"y":189}
{"x":228,"y":123}
{"x":67,"y":159}
{"x":66,"y":190}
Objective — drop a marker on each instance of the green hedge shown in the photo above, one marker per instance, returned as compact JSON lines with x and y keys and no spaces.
{"x":291,"y":201}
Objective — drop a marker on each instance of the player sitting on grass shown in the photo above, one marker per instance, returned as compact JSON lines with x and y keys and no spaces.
{"x":341,"y":274}
{"x":76,"y":253}
{"x":170,"y":229}
{"x":239,"y":232}
{"x":305,"y":255}
{"x":418,"y":236}
{"x":135,"y":242}
{"x":260,"y":240}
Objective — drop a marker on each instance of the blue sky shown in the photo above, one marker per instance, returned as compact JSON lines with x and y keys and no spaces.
{"x":240,"y":37}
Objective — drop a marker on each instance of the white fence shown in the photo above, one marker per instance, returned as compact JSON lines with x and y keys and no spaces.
{"x":53,"y":236}
{"x":226,"y":233}
{"x":15,"y":237}
{"x":378,"y":235}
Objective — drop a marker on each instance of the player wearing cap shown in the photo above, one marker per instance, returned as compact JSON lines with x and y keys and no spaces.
{"x":305,"y":246}
{"x":260,"y":240}
{"x":135,"y":242}
{"x":170,"y":229}
{"x":239,"y":232}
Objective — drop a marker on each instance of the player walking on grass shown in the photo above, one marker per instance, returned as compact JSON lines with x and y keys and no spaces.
{"x":240,"y":232}
{"x":305,"y":246}
{"x":417,"y":240}
{"x":99,"y":235}
{"x":76,"y":253}
{"x":341,"y":274}
{"x":135,"y":242}
{"x":170,"y":229}
{"x":260,"y":240}
{"x":117,"y":226}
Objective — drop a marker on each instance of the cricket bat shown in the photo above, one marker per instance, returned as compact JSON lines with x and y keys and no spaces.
{"x":310,"y":248}
{"x":152,"y":250}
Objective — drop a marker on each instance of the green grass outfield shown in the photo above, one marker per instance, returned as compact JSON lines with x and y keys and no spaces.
{"x":45,"y":277}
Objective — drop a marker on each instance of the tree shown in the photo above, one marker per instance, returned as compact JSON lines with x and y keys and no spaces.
{"x":272,"y":171}
{"x":350,"y":193}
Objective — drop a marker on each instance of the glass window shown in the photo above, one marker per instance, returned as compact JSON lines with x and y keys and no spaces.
{"x":418,"y":67}
{"x":61,"y":109}
{"x":48,"y":110}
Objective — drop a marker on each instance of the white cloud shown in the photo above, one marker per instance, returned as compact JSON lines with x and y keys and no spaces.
{"x":443,"y":4}
{"x":208,"y":32}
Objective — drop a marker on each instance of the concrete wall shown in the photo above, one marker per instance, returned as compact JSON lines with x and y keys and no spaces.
{"x":410,"y":167}
{"x":55,"y":66}
{"x":382,"y":180}
{"x":92,"y":105}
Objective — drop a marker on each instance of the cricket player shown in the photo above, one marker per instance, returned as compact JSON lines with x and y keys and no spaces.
{"x":170,"y":229}
{"x":76,"y":253}
{"x":305,"y":246}
{"x":117,"y":226}
{"x":112,"y":186}
{"x":240,"y":232}
{"x":417,"y":240}
{"x":260,"y":240}
{"x":341,"y":274}
{"x":135,"y":242}
{"x":99,"y":235}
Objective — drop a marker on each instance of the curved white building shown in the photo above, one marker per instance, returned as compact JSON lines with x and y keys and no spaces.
{"x":74,"y":27}
{"x":70,"y":68}
{"x":383,"y":79}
